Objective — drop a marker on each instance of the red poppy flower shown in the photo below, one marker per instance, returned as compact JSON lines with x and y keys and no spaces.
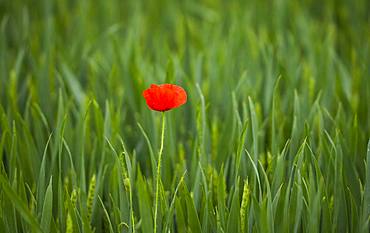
{"x":164,"y":97}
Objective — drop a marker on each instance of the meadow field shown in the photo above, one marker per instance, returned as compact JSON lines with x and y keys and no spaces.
{"x":273,"y":138}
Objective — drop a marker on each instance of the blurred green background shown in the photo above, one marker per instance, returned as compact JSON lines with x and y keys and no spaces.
{"x":273,"y":137}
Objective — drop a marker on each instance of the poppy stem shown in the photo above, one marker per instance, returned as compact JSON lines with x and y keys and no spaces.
{"x":158,"y":176}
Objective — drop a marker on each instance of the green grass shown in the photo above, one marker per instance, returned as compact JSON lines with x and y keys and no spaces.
{"x":274,"y":137}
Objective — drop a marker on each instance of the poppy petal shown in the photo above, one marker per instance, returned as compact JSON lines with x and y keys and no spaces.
{"x":164,"y":97}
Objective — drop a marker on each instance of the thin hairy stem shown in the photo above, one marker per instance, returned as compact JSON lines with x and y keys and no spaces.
{"x":158,"y":176}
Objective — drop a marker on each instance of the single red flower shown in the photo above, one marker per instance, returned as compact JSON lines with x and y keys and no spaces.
{"x":164,"y":97}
